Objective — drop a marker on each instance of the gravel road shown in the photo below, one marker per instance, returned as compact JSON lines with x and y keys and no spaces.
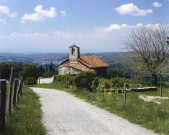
{"x":64,"y":114}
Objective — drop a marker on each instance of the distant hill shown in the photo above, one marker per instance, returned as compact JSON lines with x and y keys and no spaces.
{"x":114,"y":59}
{"x":54,"y":57}
{"x":39,"y":58}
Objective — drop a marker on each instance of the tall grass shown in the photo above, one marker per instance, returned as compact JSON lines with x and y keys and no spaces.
{"x":54,"y":85}
{"x":165,"y":91}
{"x":146,"y":114}
{"x":149,"y":115}
{"x":26,"y":116}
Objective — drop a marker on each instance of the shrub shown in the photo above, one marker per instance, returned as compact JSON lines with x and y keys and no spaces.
{"x":107,"y":85}
{"x":30,"y":81}
{"x":49,"y":74}
{"x":127,"y":85}
{"x":101,"y":87}
{"x":60,"y":78}
{"x":84,"y":79}
{"x":118,"y":82}
{"x":95,"y":83}
{"x":112,"y":73}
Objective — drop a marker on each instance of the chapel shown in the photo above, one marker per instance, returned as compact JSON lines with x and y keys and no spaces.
{"x":77,"y":63}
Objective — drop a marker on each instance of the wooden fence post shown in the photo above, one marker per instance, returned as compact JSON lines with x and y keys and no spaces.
{"x":15,"y":91}
{"x":160,"y":84}
{"x":0,"y":74}
{"x":18,"y":91}
{"x":125,"y":93}
{"x":21,"y":87}
{"x":2,"y":104}
{"x":17,"y":94}
{"x":10,"y":92}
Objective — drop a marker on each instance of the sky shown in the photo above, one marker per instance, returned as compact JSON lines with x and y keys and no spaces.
{"x":93,"y":25}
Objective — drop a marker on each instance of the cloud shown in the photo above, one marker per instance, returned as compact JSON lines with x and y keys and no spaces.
{"x":131,"y":9}
{"x":3,"y":21}
{"x":63,"y":13}
{"x":115,"y":27}
{"x":104,"y":31}
{"x":98,"y":39}
{"x":156,"y":4}
{"x":6,"y":10}
{"x":3,"y":0}
{"x":40,"y":14}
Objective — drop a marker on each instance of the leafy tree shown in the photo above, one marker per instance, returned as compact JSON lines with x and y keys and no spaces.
{"x":41,"y":70}
{"x":112,"y":73}
{"x":51,"y":67}
{"x":49,"y":73}
{"x":85,"y":79}
{"x":136,"y":66}
{"x":46,"y":67}
{"x":149,"y":43}
{"x":30,"y":71}
{"x":5,"y":69}
{"x":30,"y":81}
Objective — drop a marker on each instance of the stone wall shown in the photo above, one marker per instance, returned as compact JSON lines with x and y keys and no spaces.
{"x":48,"y":80}
{"x":143,"y":89}
{"x":67,"y":70}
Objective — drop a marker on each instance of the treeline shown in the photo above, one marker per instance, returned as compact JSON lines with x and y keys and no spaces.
{"x":30,"y":73}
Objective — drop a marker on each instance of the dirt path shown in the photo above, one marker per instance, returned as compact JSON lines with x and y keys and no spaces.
{"x":65,"y":114}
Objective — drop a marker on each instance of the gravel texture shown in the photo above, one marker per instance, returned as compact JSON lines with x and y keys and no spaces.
{"x":64,"y":114}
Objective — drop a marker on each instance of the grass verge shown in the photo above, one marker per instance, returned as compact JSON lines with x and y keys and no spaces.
{"x":165,"y":91}
{"x":26,"y":116}
{"x":146,"y":114}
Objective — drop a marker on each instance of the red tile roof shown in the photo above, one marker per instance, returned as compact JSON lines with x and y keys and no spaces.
{"x":78,"y":66}
{"x":86,"y":63}
{"x":92,"y":61}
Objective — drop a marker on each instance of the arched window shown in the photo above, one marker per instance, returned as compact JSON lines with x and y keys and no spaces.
{"x":73,"y":51}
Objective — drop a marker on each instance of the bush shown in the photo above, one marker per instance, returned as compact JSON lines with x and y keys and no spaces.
{"x":107,"y":85}
{"x":127,"y":85}
{"x":30,"y":81}
{"x":49,"y":74}
{"x":95,"y":83}
{"x":85,"y":79}
{"x":60,"y":78}
{"x":112,"y":73}
{"x":30,"y":71}
{"x":118,"y":82}
{"x":63,"y":78}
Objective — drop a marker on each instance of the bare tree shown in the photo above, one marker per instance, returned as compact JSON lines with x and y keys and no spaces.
{"x":134,"y":64}
{"x":151,"y":45}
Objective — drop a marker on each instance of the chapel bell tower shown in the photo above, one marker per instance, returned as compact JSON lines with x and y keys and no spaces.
{"x":74,"y":53}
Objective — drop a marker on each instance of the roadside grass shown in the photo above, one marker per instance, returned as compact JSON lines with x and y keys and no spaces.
{"x":55,"y":85}
{"x":149,"y":115}
{"x":26,"y":116}
{"x":146,"y":114}
{"x":165,"y":91}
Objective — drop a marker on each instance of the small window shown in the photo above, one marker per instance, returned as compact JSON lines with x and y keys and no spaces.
{"x":73,"y":51}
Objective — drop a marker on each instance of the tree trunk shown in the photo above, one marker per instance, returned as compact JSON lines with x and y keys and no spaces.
{"x":154,"y":79}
